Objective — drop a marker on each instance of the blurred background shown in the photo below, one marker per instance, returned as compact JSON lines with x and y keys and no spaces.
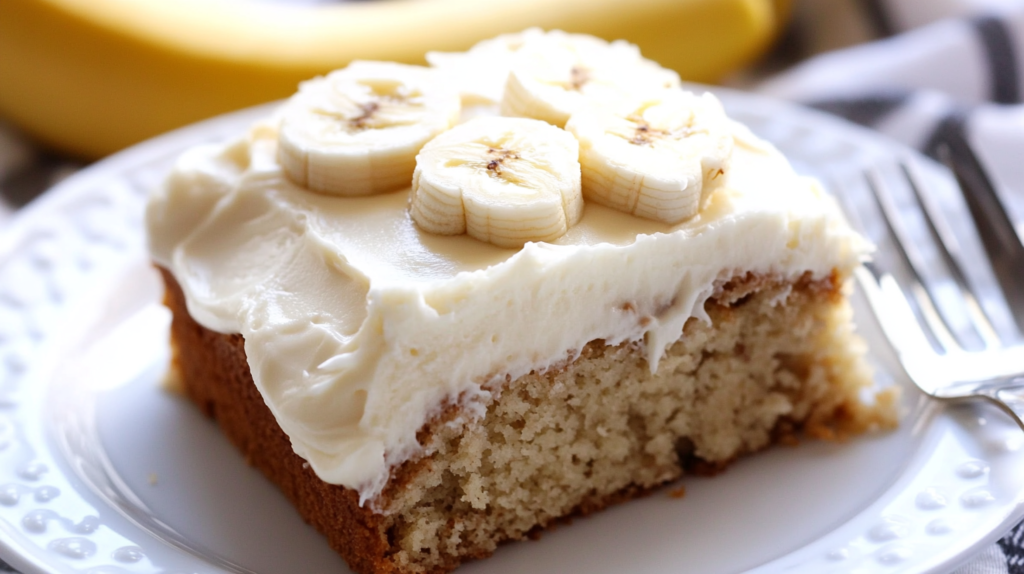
{"x":80,"y":79}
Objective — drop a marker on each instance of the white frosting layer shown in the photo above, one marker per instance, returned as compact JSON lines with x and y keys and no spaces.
{"x":359,"y":327}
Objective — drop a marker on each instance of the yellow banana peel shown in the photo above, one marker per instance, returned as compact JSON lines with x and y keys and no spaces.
{"x":89,"y":77}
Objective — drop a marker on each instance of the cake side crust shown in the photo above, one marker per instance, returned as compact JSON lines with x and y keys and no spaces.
{"x":215,"y":376}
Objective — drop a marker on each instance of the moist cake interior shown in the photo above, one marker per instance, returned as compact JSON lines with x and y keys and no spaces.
{"x":778,"y":359}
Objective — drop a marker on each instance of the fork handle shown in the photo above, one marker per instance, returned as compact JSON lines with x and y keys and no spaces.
{"x":996,"y":229}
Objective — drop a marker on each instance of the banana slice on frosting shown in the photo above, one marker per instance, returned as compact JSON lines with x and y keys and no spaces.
{"x":660,"y":159}
{"x":554,"y":75}
{"x":357,"y":131}
{"x":505,"y":181}
{"x":480,"y":73}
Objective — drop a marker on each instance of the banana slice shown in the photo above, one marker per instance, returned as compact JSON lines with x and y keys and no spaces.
{"x":660,"y":159}
{"x":480,"y":73}
{"x":505,"y":181}
{"x":555,"y":75}
{"x":357,"y":131}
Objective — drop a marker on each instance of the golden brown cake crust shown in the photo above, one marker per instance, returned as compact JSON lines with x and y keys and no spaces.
{"x":215,"y":375}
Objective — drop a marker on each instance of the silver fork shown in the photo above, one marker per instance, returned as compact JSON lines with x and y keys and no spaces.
{"x":932,"y":352}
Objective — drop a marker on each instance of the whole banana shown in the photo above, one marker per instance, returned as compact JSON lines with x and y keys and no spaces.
{"x":90,"y":77}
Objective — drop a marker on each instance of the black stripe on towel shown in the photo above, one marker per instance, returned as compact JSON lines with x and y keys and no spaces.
{"x":1013,"y":547}
{"x":1002,"y":58}
{"x":866,"y":110}
{"x":953,"y":127}
{"x":878,"y":16}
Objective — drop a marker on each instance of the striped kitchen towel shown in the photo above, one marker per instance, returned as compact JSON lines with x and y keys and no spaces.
{"x":926,"y":75}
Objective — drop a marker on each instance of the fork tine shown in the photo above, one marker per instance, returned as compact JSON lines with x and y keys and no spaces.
{"x":1004,"y":247}
{"x":935,"y":321}
{"x":949,"y":249}
{"x":892,"y":309}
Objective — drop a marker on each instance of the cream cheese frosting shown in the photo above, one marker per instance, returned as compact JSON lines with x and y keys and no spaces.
{"x":359,"y":327}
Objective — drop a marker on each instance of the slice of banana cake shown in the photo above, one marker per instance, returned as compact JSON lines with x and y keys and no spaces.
{"x":440,"y":321}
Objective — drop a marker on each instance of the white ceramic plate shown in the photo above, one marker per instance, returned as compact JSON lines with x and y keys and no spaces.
{"x":102,"y":471}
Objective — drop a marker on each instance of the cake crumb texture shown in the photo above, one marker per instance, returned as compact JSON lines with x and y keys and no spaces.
{"x":779,"y":359}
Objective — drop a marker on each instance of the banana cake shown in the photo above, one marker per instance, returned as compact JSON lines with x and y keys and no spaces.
{"x":443,"y":311}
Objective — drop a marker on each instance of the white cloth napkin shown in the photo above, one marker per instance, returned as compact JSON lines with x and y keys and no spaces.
{"x":936,"y":65}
